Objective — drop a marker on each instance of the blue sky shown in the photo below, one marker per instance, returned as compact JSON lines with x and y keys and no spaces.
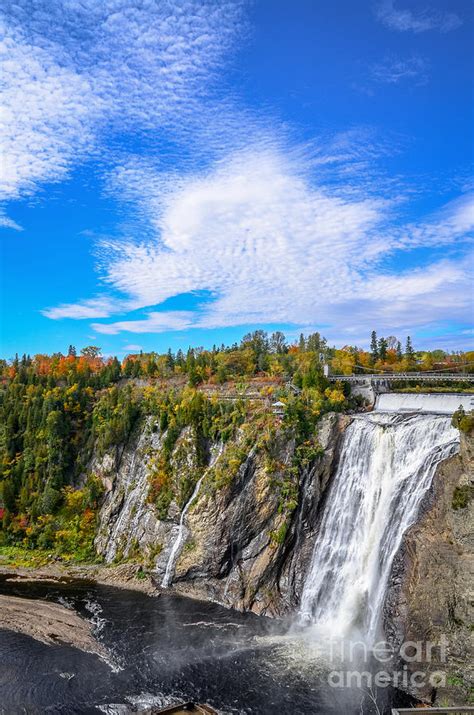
{"x":178,"y":173}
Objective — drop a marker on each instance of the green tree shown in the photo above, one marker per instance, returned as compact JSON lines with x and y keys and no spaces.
{"x":409,"y":352}
{"x":91,"y":351}
{"x":382,"y":349}
{"x":278,"y":343}
{"x":374,"y":349}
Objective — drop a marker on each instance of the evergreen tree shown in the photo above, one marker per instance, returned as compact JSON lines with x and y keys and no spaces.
{"x":170,"y":360}
{"x":71,"y":351}
{"x":382,"y":349}
{"x":315,"y":343}
{"x":374,"y":350}
{"x":409,"y":352}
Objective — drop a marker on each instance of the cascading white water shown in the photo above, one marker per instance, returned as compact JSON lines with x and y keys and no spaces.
{"x":386,"y":466}
{"x":178,"y":544}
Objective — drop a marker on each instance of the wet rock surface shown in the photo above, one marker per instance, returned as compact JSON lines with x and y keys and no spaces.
{"x":241,"y":547}
{"x":431,"y":594}
{"x":49,"y":623}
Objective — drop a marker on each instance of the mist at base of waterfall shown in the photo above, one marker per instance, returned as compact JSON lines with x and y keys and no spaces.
{"x":168,"y":649}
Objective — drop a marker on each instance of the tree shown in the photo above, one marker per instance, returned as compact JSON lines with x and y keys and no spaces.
{"x":72,"y":351}
{"x":278,"y":343}
{"x":91,"y":352}
{"x":383,"y":349}
{"x":374,"y":350}
{"x":399,"y":350}
{"x":302,"y":343}
{"x":409,"y":353}
{"x":315,"y":343}
{"x":170,"y":360}
{"x":258,"y":343}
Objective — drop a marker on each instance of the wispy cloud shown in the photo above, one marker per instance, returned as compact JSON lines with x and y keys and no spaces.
{"x":393,"y":70}
{"x":268,"y":229}
{"x":75,"y":72}
{"x":405,"y":20}
{"x":7,"y":222}
{"x":132,"y":347}
{"x":100,"y":307}
{"x":268,"y":243}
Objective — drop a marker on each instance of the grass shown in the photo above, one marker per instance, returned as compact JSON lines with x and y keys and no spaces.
{"x":22,"y":557}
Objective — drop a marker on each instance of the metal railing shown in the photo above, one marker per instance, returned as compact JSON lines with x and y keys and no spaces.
{"x":391,"y":376}
{"x":460,"y":710}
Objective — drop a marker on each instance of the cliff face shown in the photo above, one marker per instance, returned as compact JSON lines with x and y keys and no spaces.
{"x":249,"y":533}
{"x":431,"y":590}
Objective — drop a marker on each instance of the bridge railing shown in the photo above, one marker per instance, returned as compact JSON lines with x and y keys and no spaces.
{"x":393,"y":376}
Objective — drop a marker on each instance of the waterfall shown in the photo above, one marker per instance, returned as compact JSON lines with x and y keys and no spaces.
{"x":438,"y":403}
{"x":385,"y":468}
{"x":178,"y":544}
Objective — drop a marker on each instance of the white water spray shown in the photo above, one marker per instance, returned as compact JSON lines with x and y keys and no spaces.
{"x":386,"y":467}
{"x":178,"y":544}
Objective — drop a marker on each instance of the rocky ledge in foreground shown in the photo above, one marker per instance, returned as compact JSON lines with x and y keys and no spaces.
{"x":49,"y":623}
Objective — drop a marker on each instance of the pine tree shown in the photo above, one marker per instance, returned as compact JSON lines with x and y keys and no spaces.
{"x":399,"y":350}
{"x":72,"y":351}
{"x":374,"y":350}
{"x":409,"y":352}
{"x":170,"y":360}
{"x":383,"y":349}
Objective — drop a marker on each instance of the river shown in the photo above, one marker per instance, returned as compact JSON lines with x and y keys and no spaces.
{"x":163,"y":650}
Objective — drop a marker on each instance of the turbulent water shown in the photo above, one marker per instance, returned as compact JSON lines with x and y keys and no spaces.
{"x":167,"y":649}
{"x":162,"y":651}
{"x":386,"y":467}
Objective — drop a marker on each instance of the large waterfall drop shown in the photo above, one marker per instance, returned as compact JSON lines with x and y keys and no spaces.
{"x":386,"y":467}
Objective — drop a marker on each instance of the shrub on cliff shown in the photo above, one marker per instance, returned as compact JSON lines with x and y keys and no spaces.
{"x":464,"y":421}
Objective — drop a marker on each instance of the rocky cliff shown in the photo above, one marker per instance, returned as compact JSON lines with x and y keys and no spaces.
{"x":250,"y":530}
{"x":431,"y":595}
{"x":247,"y":537}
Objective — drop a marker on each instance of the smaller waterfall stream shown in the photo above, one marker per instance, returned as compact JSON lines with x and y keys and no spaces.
{"x":178,"y":544}
{"x":386,"y":467}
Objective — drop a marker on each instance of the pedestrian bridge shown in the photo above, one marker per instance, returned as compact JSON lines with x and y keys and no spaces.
{"x":388,"y":377}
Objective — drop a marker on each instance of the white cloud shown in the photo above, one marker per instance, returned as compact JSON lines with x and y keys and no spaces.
{"x":132,"y":347}
{"x":76,"y":71}
{"x":154,"y":323}
{"x":396,"y":70}
{"x":446,"y":226}
{"x":92,"y":308}
{"x":266,"y":244}
{"x":270,"y":232}
{"x":7,"y":222}
{"x":408,"y":21}
{"x":46,"y":116}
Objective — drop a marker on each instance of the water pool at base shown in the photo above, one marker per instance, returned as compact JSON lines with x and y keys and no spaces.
{"x":164,"y":650}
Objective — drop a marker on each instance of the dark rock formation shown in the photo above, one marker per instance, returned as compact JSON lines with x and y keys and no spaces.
{"x":431,"y":590}
{"x":243,"y":546}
